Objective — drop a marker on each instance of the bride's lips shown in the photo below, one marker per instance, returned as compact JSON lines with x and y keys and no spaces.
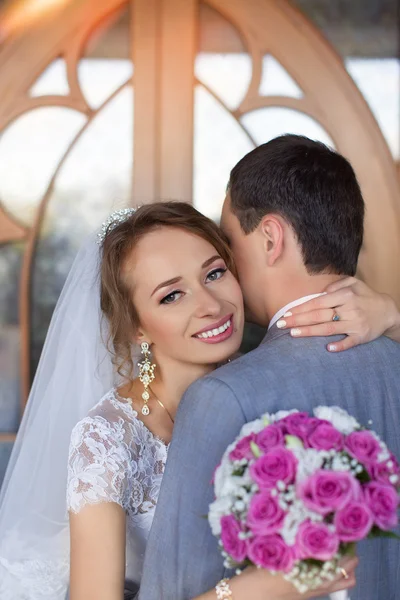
{"x":216,"y":333}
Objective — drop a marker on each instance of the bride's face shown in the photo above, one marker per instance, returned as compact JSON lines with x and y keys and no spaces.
{"x":189,"y":305}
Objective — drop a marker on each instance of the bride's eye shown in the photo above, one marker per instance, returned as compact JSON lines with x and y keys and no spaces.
{"x":171,"y":298}
{"x":216,"y":274}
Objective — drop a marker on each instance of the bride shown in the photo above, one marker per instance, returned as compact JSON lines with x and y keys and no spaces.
{"x":116,"y":422}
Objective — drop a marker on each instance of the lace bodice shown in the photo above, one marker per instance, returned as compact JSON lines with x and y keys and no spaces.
{"x":113,"y":457}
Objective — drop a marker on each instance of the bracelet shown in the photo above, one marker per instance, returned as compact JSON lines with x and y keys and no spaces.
{"x":223,"y":590}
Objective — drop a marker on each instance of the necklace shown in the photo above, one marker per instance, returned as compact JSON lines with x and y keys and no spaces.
{"x":161,"y":404}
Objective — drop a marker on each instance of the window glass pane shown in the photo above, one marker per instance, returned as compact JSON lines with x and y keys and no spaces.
{"x":366,"y":35}
{"x":10,"y":267}
{"x":94,"y":180}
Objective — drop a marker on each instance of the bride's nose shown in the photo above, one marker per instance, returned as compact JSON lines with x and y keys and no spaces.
{"x":207,"y":304}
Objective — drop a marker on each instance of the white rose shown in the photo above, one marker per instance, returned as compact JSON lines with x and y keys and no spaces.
{"x":252,"y":427}
{"x":281,"y":414}
{"x":218,"y":509}
{"x":223,"y":474}
{"x":309,"y":461}
{"x":339,"y":418}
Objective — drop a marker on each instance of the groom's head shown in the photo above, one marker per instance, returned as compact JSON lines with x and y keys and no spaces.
{"x":294,"y":216}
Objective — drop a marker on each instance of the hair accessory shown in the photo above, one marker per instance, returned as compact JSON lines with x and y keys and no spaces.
{"x":117,"y":217}
{"x":146,"y":376}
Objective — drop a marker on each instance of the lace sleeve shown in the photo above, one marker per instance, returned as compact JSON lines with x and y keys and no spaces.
{"x":99,"y":464}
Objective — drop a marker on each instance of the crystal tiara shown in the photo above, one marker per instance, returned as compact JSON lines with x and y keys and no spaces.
{"x":117,"y":217}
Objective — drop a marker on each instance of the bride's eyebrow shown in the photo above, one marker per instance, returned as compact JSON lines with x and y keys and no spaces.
{"x":210,"y":261}
{"x":166,"y":284}
{"x":207,"y":263}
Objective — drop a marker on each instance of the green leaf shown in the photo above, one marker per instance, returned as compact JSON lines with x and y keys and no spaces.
{"x":348,"y":549}
{"x":255,"y":450}
{"x":363,"y":477}
{"x":380,"y":533}
{"x":313,"y":562}
{"x":292,"y":441}
{"x":239,"y":471}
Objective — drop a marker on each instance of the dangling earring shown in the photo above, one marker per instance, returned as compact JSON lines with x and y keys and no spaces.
{"x":146,"y":376}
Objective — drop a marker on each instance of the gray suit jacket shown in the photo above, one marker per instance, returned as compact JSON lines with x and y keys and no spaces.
{"x":182,"y":558}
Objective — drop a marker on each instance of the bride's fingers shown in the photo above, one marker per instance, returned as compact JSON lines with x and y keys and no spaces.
{"x":321,"y":330}
{"x":341,"y":582}
{"x":348,"y":342}
{"x":349,"y":563}
{"x":342,"y":297}
{"x":327,"y":330}
{"x":313,"y":317}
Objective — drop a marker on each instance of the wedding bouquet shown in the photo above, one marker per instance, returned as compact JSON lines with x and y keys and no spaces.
{"x":294,"y":493}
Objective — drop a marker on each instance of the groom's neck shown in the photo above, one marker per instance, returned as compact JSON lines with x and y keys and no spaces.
{"x":289,"y":289}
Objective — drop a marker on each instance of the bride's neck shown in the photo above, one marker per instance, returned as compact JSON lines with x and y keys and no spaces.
{"x":173,"y":379}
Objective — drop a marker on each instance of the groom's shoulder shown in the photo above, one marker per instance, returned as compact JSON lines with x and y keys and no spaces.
{"x":242,"y":367}
{"x":277,"y":355}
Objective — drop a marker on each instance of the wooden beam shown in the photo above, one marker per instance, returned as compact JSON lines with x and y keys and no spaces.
{"x":178,"y":50}
{"x":145,"y":50}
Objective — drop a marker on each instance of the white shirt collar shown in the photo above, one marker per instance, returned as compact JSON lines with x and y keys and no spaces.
{"x":285,"y":309}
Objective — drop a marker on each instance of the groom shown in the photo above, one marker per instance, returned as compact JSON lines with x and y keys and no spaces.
{"x":294,"y":217}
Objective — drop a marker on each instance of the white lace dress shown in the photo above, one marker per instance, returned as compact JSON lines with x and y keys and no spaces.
{"x":113,"y":457}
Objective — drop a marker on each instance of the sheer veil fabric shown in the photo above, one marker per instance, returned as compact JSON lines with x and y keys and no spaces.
{"x":74,"y":373}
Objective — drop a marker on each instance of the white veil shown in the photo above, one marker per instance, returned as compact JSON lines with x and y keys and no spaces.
{"x":74,"y":373}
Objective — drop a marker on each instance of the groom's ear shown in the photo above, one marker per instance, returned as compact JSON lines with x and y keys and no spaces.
{"x":272,"y":231}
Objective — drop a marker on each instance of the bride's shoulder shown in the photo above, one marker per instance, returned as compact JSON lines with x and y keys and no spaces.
{"x":104,"y":416}
{"x":112,"y":406}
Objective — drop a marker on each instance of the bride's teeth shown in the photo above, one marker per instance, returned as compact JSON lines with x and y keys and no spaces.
{"x":216,"y":331}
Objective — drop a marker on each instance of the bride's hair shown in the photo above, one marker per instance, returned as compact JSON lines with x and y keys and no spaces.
{"x":115,"y":294}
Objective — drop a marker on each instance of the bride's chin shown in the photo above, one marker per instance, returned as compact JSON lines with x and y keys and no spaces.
{"x":225,"y":354}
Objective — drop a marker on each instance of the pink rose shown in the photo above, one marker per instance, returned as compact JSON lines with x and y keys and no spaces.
{"x":230,"y":529}
{"x":383,"y":501}
{"x":328,"y":491}
{"x":271,"y":552}
{"x":353,"y":522}
{"x":243,"y":449}
{"x":278,"y":465}
{"x":265,"y":516}
{"x":298,"y":424}
{"x":316,"y":540}
{"x":383,"y":471}
{"x":326,"y":437}
{"x":269,"y":437}
{"x":363,"y":446}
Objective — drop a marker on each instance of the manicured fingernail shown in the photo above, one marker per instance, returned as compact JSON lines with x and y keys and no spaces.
{"x":288,"y":314}
{"x":331,"y":347}
{"x":281,"y":323}
{"x":295,"y":332}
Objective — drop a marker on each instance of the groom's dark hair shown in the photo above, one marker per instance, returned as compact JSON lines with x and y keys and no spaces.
{"x":314,"y":189}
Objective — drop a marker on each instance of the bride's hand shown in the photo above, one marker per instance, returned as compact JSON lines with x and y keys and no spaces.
{"x":259,"y":584}
{"x":363,"y":315}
